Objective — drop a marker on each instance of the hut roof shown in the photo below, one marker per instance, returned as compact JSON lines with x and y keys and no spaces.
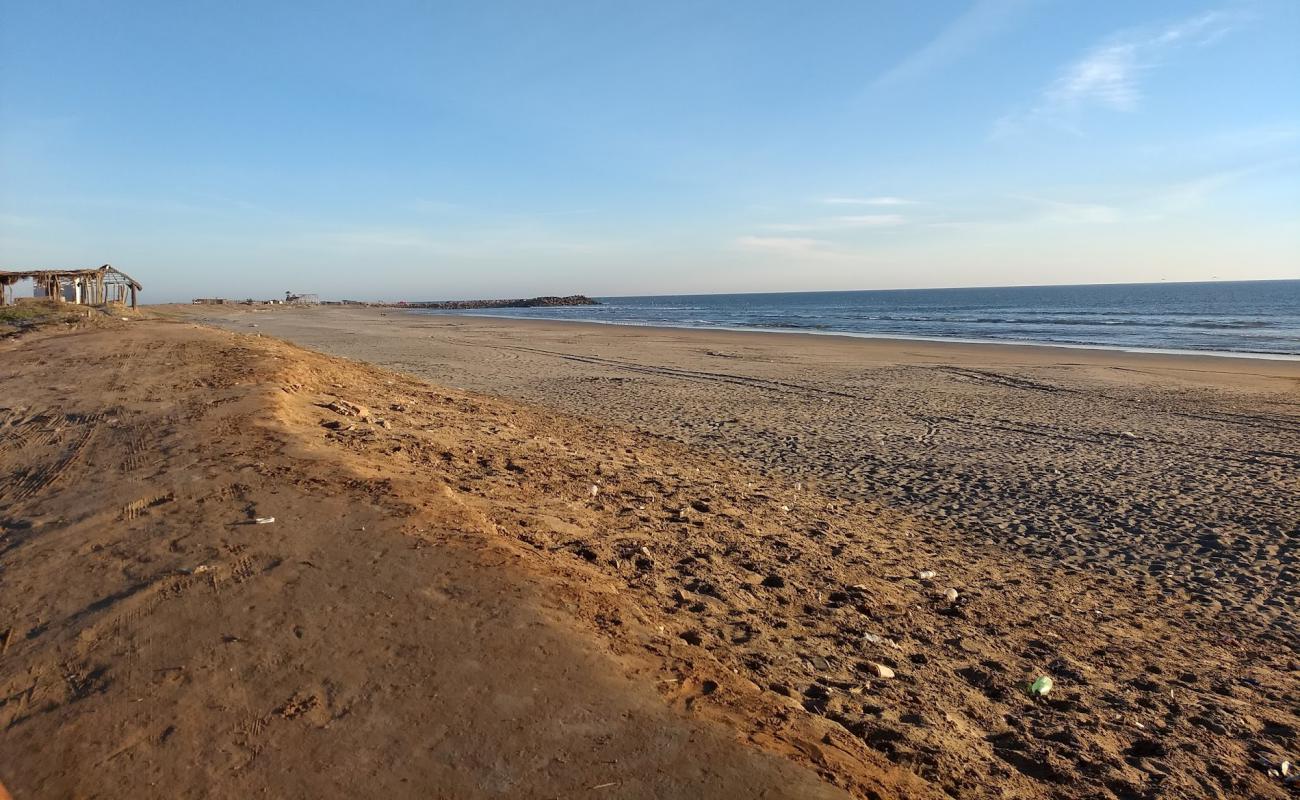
{"x":109,"y":274}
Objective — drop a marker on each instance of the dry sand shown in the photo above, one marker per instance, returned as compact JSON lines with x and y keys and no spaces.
{"x":691,"y":568}
{"x":1180,"y":472}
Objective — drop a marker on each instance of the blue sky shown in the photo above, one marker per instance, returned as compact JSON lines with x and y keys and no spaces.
{"x":426,"y":150}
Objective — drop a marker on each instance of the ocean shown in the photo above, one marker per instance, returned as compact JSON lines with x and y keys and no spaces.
{"x":1241,"y":317}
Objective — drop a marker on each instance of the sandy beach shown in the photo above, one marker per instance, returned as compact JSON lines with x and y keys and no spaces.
{"x":561,"y":560}
{"x":650,"y":401}
{"x":1180,"y":473}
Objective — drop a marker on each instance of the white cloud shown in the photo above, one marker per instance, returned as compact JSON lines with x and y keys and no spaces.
{"x":793,"y":248}
{"x":424,"y":205}
{"x":1109,"y":75}
{"x":779,"y":243}
{"x":1190,"y":194}
{"x":844,"y":223}
{"x":383,"y":239}
{"x":1028,"y":212}
{"x":1229,"y":143}
{"x":473,"y":244}
{"x":1059,"y":211}
{"x":983,"y":20}
{"x":1106,"y":76}
{"x":1136,"y":204}
{"x":19,"y":221}
{"x":870,"y":221}
{"x":868,"y":201}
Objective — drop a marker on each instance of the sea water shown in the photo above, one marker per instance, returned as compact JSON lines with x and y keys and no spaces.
{"x":1245,"y":317}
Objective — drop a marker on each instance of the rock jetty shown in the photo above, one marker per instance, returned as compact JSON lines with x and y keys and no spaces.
{"x":532,"y":302}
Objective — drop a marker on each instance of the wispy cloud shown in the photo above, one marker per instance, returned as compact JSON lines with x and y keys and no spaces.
{"x":384,"y":239}
{"x":1060,"y":211}
{"x":778,"y":243}
{"x":1022,"y":212}
{"x":870,"y":221}
{"x":868,"y":201}
{"x":1236,"y":142}
{"x":483,"y":243}
{"x":424,"y":205}
{"x":1109,"y":75}
{"x":844,"y":222}
{"x":1119,"y":206}
{"x":1186,"y":195}
{"x":19,"y":221}
{"x":982,"y":21}
{"x":794,"y":248}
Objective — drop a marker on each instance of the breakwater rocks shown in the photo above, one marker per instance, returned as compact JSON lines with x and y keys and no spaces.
{"x":532,"y":302}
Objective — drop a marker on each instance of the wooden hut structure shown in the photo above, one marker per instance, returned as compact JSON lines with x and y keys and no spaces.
{"x":91,"y":287}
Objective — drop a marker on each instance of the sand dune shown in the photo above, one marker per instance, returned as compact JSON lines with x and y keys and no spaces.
{"x":468,"y":596}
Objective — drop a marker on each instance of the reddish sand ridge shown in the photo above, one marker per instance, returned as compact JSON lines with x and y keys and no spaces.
{"x":372,"y":640}
{"x":462,"y":596}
